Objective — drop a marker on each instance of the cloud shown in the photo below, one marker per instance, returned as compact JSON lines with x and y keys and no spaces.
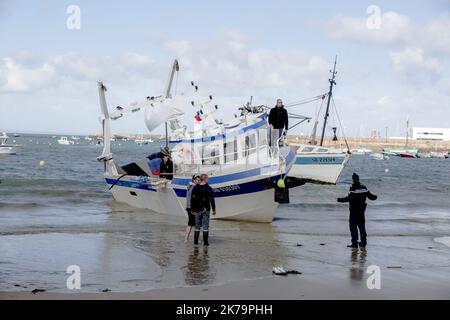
{"x":25,"y":72}
{"x":412,"y":63}
{"x":417,"y":52}
{"x":395,"y":30}
{"x":231,"y":67}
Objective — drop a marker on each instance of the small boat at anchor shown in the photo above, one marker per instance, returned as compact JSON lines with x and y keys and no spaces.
{"x":378,"y":156}
{"x":65,"y":141}
{"x":6,"y":148}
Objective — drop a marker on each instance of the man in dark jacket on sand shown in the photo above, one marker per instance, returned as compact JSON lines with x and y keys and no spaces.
{"x":357,"y":203}
{"x":202,"y":202}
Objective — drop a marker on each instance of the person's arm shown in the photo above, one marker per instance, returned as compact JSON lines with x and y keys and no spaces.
{"x":162,"y":170}
{"x":371,"y":196}
{"x":286,"y":120}
{"x":212,"y":201}
{"x":189,"y":197}
{"x":344,"y":199}
{"x":194,"y":199}
{"x":270,"y":117}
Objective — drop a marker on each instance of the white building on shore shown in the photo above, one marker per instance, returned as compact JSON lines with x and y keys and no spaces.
{"x":431,"y":134}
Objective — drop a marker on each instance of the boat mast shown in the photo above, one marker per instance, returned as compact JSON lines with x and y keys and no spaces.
{"x":332,"y":82}
{"x":175,"y":68}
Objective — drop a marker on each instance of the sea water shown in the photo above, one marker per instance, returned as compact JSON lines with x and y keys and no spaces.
{"x":61,"y":214}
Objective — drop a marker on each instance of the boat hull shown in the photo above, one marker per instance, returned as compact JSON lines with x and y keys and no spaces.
{"x":160,"y":199}
{"x":324,"y":168}
{"x":11,"y":150}
{"x":257,"y":206}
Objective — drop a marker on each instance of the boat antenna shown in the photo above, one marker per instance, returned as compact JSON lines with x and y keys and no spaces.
{"x":332,"y":82}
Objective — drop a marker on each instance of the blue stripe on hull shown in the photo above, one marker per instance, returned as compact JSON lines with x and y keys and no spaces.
{"x":226,"y":191}
{"x":239,"y":189}
{"x":228,"y":177}
{"x":130,"y":184}
{"x":320,"y":160}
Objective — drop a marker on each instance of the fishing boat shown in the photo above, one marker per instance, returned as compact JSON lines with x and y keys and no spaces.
{"x":65,"y":141}
{"x":243,"y":167}
{"x":6,"y":148}
{"x":318,"y":163}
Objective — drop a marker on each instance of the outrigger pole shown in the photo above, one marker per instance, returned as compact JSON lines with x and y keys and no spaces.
{"x":332,"y":82}
{"x":106,"y":154}
{"x":175,"y":68}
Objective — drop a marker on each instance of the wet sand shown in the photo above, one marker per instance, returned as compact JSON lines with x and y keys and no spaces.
{"x":413,"y":268}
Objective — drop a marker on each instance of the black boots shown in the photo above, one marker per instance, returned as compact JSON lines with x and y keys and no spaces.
{"x":205,"y":238}
{"x":196,"y":236}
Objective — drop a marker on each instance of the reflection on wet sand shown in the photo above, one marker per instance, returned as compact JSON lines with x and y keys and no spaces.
{"x":358,"y":262}
{"x":197,"y":271}
{"x":237,"y":250}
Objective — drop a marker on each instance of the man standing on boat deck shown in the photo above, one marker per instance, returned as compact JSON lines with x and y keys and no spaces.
{"x":202,"y":202}
{"x":166,"y":168}
{"x":357,"y":203}
{"x":278,"y":121}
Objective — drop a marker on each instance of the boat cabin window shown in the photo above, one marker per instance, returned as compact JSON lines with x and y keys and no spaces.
{"x":307,"y":149}
{"x":262,"y":137}
{"x":250,"y":145}
{"x":230,"y":150}
{"x":322,"y":150}
{"x":211,"y":154}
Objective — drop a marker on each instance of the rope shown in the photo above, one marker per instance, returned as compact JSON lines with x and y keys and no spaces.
{"x":305,"y":101}
{"x":340,"y":124}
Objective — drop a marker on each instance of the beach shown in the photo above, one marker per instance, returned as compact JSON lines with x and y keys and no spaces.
{"x":63,"y":215}
{"x":345,"y":279}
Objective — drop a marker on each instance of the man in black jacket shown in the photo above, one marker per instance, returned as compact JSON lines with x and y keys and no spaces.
{"x":278,"y":121}
{"x":202,"y":202}
{"x":357,"y":203}
{"x":166,"y":168}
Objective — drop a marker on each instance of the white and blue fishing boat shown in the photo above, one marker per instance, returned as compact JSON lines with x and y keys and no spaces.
{"x":243,"y":166}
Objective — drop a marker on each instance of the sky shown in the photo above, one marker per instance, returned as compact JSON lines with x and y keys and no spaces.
{"x":392,"y":60}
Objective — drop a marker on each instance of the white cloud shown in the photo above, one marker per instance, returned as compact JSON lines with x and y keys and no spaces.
{"x":419,"y":52}
{"x":396,"y":30}
{"x":19,"y":78}
{"x":412,"y":63}
{"x":385,"y":100}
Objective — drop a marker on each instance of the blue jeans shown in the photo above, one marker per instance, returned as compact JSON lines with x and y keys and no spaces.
{"x":202,"y":220}
{"x":358,"y":221}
